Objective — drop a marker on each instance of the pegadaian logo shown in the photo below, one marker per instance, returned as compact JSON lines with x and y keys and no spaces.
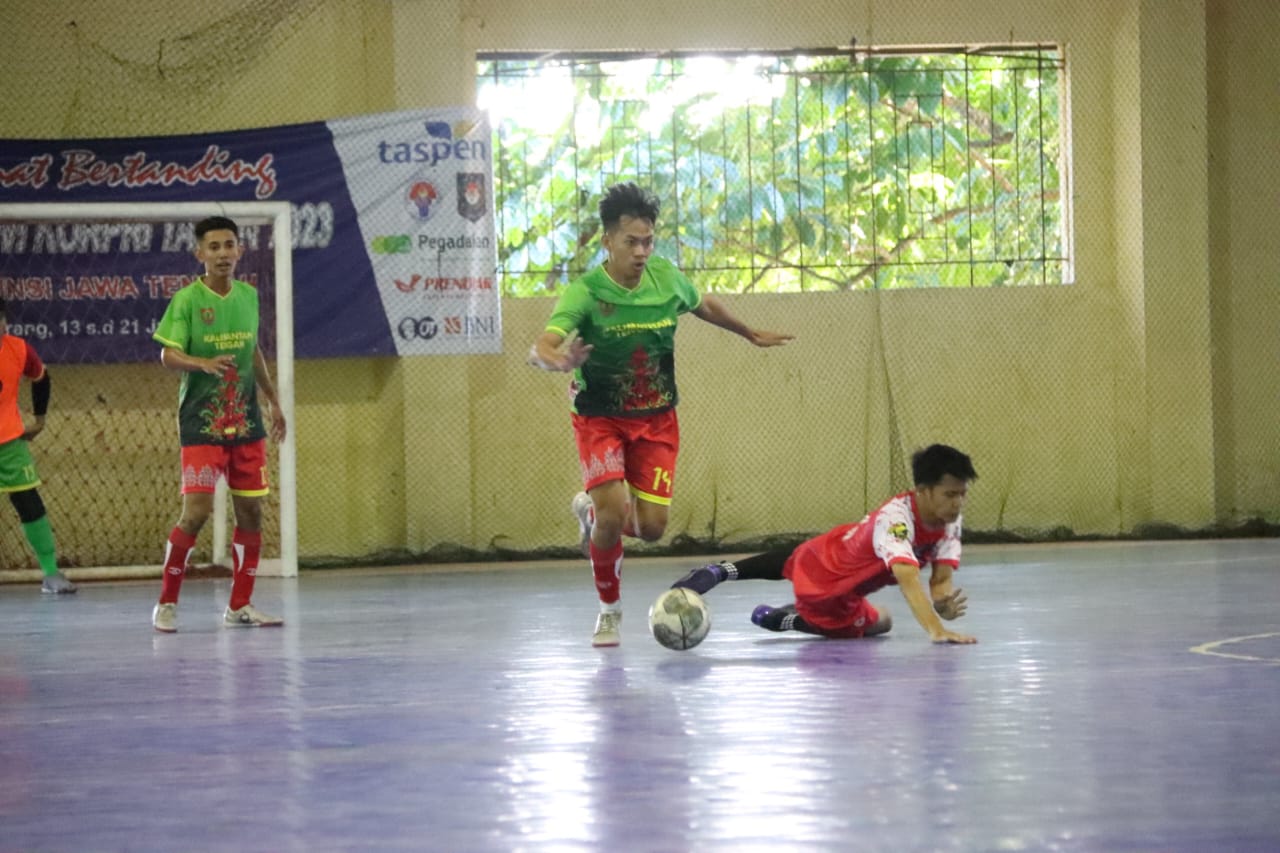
{"x":391,"y":244}
{"x":443,"y":142}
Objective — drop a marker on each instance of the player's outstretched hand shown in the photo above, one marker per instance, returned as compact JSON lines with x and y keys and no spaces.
{"x":769,"y":339}
{"x":952,"y":606}
{"x":575,"y":354}
{"x":569,"y":355}
{"x":954,"y":638}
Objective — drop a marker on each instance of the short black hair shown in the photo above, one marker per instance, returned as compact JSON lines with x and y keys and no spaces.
{"x":936,"y":461}
{"x":627,"y":200}
{"x":216,"y":223}
{"x":4,"y":310}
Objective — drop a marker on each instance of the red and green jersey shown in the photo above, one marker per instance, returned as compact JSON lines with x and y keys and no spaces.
{"x":631,"y":370}
{"x":200,"y":323}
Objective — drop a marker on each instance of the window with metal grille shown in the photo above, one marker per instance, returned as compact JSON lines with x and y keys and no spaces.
{"x":813,"y":170}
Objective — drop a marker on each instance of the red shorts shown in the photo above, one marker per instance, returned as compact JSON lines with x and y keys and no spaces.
{"x":244,"y":466}
{"x":640,"y":450}
{"x":843,"y":615}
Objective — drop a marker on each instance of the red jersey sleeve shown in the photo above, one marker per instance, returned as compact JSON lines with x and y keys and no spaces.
{"x":33,"y":368}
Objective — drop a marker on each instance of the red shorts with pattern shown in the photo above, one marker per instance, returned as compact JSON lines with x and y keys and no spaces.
{"x":843,"y":615}
{"x":642,"y":451}
{"x":244,"y":466}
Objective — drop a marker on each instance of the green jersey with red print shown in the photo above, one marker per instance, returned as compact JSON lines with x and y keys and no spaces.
{"x":215,"y":409}
{"x":631,"y":369}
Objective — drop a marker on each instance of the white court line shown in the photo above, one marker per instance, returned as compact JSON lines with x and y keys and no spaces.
{"x":1208,"y":648}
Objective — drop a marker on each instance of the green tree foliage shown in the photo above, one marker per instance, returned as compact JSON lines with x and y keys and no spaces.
{"x":790,"y":173}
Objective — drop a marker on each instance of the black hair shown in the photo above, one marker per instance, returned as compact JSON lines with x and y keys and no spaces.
{"x":936,"y":461}
{"x":216,"y":223}
{"x":4,"y":310}
{"x":627,"y":200}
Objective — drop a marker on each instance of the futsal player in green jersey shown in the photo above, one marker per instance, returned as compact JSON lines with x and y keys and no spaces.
{"x":615,"y":329}
{"x":18,"y":477}
{"x":209,"y":333}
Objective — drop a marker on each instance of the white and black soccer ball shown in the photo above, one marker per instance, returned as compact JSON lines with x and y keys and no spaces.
{"x":679,"y":619}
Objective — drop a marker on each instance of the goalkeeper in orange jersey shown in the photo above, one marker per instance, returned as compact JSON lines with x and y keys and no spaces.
{"x":18,"y":474}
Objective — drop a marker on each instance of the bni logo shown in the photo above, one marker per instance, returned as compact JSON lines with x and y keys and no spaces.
{"x":471,"y":326}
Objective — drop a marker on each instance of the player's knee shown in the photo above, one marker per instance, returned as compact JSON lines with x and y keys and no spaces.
{"x":196,"y":509}
{"x":608,"y":523}
{"x":651,"y":530}
{"x":882,"y":624}
{"x":28,"y":504}
{"x":248,"y":514}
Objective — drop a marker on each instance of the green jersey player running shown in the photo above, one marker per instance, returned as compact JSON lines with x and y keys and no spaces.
{"x":614,"y":328}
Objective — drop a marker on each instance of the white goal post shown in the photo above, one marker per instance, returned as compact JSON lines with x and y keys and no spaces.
{"x":278,"y":213}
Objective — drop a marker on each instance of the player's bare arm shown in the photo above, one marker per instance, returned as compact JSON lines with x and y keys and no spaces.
{"x":176,"y":359}
{"x":948,"y":602}
{"x":552,"y":352}
{"x":717,"y":313}
{"x":262,"y":377}
{"x":908,"y":577}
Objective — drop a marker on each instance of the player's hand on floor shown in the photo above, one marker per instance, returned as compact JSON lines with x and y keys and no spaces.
{"x":952,"y":606}
{"x":954,"y":638}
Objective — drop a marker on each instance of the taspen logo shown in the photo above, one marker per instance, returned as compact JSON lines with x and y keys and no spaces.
{"x":442,"y":141}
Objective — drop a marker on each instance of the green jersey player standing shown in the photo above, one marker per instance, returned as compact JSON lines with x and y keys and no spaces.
{"x":614,"y":328}
{"x":209,"y":333}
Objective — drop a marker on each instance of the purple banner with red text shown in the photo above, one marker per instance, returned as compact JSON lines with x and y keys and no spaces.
{"x":393,"y":235}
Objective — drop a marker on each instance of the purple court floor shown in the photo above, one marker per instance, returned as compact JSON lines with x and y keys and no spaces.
{"x":1122,"y":697}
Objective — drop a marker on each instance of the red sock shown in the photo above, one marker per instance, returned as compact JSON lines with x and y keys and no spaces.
{"x":245,"y":548}
{"x":176,"y":552}
{"x":606,"y":565}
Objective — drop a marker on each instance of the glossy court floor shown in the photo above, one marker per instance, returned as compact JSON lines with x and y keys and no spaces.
{"x":1122,"y":697}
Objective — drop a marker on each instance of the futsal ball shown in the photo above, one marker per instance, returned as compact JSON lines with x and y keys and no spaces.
{"x":679,"y":619}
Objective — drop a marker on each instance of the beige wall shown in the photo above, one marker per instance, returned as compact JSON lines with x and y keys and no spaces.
{"x":1244,"y":124}
{"x":1144,"y":392}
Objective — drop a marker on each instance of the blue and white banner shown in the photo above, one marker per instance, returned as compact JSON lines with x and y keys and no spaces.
{"x":393,"y":235}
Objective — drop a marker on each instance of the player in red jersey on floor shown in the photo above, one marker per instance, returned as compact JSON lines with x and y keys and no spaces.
{"x":833,"y":574}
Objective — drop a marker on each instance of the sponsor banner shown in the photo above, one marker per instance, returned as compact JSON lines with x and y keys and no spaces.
{"x":393,"y":232}
{"x":425,"y":213}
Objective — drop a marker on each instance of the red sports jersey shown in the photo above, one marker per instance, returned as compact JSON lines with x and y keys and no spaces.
{"x":17,"y":359}
{"x":852,"y":561}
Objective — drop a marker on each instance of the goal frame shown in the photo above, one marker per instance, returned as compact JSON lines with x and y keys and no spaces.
{"x":280,"y":215}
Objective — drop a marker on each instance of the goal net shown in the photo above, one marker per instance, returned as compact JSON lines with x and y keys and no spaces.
{"x":86,"y":284}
